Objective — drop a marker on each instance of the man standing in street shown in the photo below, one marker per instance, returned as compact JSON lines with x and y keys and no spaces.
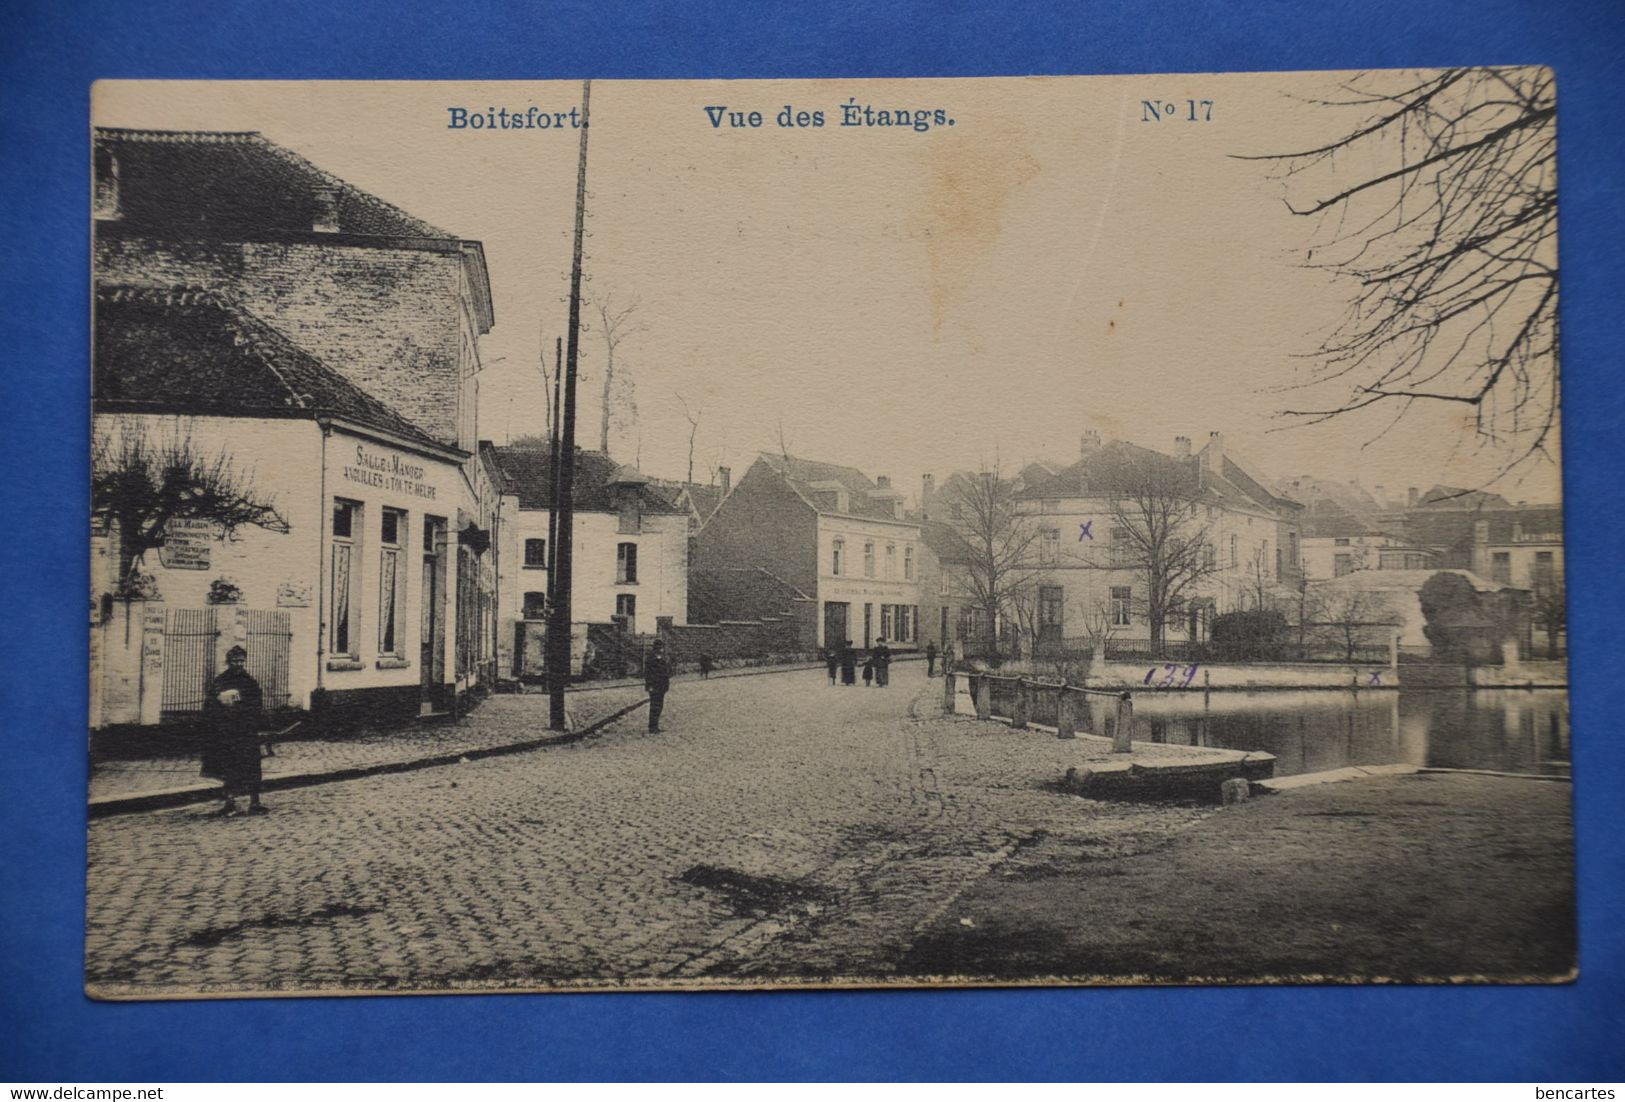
{"x":882,"y":659}
{"x":234,"y":711}
{"x":656,"y":680}
{"x":930,"y":658}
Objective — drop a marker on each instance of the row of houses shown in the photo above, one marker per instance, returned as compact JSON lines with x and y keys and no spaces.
{"x":306,"y":356}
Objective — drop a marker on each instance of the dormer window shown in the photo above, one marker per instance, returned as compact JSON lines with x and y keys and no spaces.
{"x":107,"y":184}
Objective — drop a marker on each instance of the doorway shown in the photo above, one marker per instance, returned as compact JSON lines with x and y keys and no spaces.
{"x":835,"y":623}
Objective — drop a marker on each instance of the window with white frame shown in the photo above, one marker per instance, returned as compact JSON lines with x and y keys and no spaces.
{"x":886,"y":622}
{"x":341,"y":638}
{"x":1049,"y":546}
{"x":868,"y":560}
{"x":908,"y":563}
{"x":1122,"y":597}
{"x":626,"y":563}
{"x":837,"y":553}
{"x":1121,"y":547}
{"x":891,"y":561}
{"x":391,"y":582}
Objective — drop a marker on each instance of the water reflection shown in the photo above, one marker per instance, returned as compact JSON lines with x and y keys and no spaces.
{"x":1509,"y":730}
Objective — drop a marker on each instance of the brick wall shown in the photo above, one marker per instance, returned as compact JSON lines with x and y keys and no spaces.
{"x":389,"y":319}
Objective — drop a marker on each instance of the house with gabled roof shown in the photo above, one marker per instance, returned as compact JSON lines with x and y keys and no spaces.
{"x":324,"y":343}
{"x":821,"y":529}
{"x":1088,"y":572}
{"x":629,"y":561}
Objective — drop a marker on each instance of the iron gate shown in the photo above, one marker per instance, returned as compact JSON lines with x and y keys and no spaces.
{"x":268,"y":643}
{"x":189,"y":646}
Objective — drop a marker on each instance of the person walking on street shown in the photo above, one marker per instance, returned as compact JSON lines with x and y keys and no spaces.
{"x":235,"y":712}
{"x":849,"y":664}
{"x":832,"y":662}
{"x":931,"y":658}
{"x":882,"y":661}
{"x":705,"y":666}
{"x":656,"y":681}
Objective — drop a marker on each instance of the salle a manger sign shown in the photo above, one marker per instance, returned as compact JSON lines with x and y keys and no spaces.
{"x":389,"y":470}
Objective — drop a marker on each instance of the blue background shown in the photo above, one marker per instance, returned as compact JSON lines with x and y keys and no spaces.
{"x":49,"y":54}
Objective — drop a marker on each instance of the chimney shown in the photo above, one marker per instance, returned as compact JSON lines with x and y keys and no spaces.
{"x":1410,"y":497}
{"x":883,"y":482}
{"x":1089,"y":442}
{"x":1215,"y":452}
{"x":326,"y":216}
{"x":726,"y":475}
{"x":928,"y":486}
{"x":1182,"y":447}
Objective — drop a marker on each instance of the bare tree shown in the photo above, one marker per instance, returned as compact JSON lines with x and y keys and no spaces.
{"x":616,"y":323}
{"x":1446,"y":235}
{"x":693,"y":417}
{"x":1000,"y":564}
{"x":1346,"y":616}
{"x":1164,"y":539}
{"x":138,"y":485}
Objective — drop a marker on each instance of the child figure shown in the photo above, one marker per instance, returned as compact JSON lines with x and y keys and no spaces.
{"x":868,"y":671}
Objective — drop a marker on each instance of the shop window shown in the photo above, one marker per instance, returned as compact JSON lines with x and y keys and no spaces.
{"x":535,"y":554}
{"x":391,"y":581}
{"x":341,"y":621}
{"x":626,"y":564}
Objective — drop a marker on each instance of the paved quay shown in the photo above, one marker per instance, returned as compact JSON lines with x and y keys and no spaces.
{"x":780,"y":828}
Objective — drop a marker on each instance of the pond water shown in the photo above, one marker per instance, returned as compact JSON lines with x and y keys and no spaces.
{"x":1507,"y":730}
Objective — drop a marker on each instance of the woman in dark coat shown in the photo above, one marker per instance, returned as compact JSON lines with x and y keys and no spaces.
{"x":849,"y":664}
{"x":832,"y":662}
{"x":234,"y":711}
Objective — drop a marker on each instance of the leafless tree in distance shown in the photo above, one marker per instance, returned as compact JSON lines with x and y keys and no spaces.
{"x":1165,"y":539}
{"x":1438,"y":208}
{"x":616,"y":322}
{"x":693,"y":417}
{"x":1001,"y":564}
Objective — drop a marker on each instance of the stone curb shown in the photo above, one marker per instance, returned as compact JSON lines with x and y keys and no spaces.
{"x":1361,"y":772}
{"x":195,"y":794}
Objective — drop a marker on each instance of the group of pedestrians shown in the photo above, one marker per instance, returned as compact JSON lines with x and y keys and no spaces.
{"x":843,"y":660}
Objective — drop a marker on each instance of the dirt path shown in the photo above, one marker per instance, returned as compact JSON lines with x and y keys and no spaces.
{"x":1415,"y":878}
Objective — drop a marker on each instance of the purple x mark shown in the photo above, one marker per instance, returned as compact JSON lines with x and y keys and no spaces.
{"x":1083,"y":531}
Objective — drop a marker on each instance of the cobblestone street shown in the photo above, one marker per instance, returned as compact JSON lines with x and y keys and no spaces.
{"x":779,"y":828}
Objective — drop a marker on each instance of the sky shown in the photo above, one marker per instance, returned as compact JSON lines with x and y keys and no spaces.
{"x":906,"y":302}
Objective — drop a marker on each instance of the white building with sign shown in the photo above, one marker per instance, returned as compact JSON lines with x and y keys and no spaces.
{"x":371,"y":595}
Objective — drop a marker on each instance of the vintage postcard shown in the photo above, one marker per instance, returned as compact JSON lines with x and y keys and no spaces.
{"x":637,"y":535}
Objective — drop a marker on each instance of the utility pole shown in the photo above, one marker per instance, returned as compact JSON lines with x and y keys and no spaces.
{"x":559,"y":618}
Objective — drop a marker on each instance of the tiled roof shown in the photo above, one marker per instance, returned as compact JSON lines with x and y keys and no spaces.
{"x":196,"y":352}
{"x":212,"y":180}
{"x":527,"y":471}
{"x":805,"y":475}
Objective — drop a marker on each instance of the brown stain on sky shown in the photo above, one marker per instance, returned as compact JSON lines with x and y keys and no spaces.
{"x":971,"y":185}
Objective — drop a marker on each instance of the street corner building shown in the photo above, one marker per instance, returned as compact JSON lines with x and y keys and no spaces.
{"x":285,"y":384}
{"x":820,"y":547}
